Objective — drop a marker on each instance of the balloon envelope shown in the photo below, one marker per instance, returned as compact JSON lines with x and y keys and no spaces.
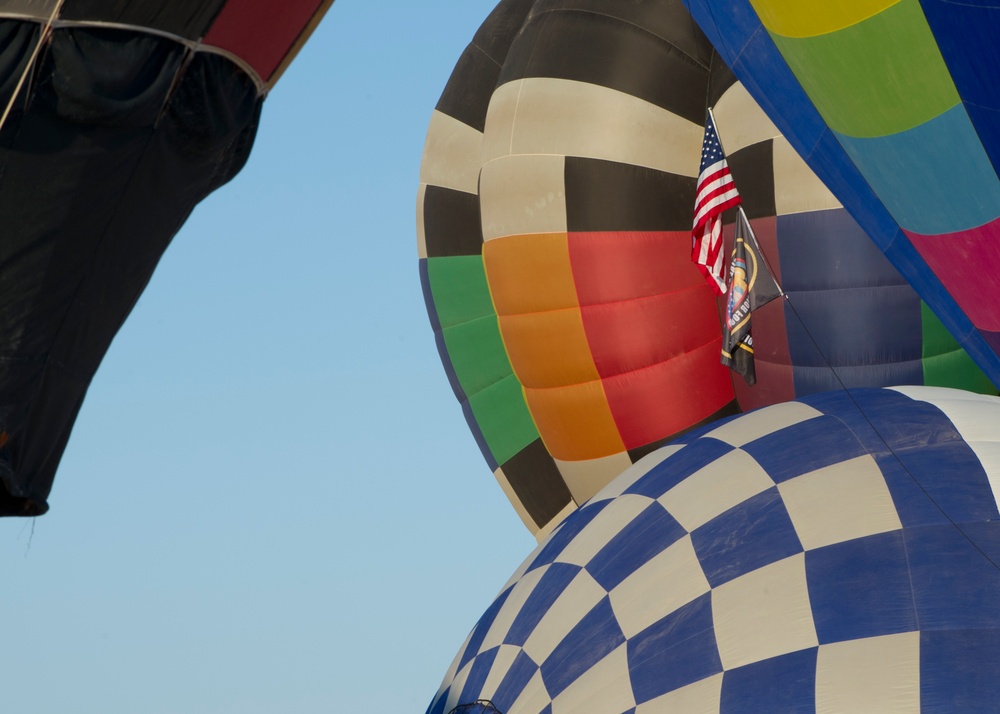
{"x":554,"y":221}
{"x":122,"y":116}
{"x":835,"y":553}
{"x":894,"y":105}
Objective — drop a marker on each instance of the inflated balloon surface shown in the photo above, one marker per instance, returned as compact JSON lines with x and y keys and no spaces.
{"x":896,"y":106}
{"x":117,"y":119}
{"x":837,"y":553}
{"x":554,"y":220}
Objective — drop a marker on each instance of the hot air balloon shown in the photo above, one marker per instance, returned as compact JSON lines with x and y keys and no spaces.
{"x":118,"y":118}
{"x":894,"y":105}
{"x":836,"y":553}
{"x":554,"y":222}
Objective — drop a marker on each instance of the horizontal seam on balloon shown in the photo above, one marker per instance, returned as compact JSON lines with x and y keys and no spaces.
{"x":837,"y":133}
{"x":486,"y":54}
{"x":833,"y":31}
{"x":493,"y":384}
{"x":664,"y":40}
{"x":792,"y":290}
{"x":833,"y":367}
{"x":193,"y":45}
{"x":463,"y":322}
{"x":580,"y":306}
{"x":618,"y":375}
{"x":659,"y":169}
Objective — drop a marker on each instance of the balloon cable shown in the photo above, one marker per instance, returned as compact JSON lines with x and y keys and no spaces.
{"x":42,"y":39}
{"x":843,"y":386}
{"x":882,"y":438}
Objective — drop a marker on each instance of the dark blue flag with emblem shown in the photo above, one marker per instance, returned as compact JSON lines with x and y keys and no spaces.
{"x":751,"y":285}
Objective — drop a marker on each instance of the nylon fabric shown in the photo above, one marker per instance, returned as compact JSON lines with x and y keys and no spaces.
{"x":836,"y":553}
{"x":112,"y":114}
{"x":795,"y":19}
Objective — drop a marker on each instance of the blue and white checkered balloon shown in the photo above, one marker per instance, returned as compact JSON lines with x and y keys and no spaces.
{"x":840,"y":553}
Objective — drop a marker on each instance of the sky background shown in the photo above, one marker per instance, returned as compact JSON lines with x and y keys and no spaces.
{"x":271,"y":501}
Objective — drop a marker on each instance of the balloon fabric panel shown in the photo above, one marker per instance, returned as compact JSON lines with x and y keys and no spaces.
{"x":945,"y":363}
{"x":794,"y":19}
{"x":861,"y":587}
{"x":186,"y":18}
{"x":451,"y":227}
{"x":112,"y":113}
{"x":966,"y":35}
{"x":264,"y":36}
{"x":935,"y":178}
{"x":880,"y":76}
{"x":573,"y":152}
{"x":264,"y":33}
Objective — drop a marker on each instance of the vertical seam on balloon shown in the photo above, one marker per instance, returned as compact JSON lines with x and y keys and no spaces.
{"x":43,"y":37}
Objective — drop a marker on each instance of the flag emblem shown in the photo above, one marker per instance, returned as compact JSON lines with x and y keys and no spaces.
{"x":751,"y":285}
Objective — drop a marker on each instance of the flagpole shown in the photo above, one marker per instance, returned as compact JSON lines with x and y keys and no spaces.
{"x":781,"y":290}
{"x":711,"y":115}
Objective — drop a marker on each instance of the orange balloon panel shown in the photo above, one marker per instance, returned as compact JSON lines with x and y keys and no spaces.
{"x":622,"y":344}
{"x":575,"y":422}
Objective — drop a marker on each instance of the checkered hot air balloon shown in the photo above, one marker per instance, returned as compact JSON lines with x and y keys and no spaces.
{"x":838,"y":553}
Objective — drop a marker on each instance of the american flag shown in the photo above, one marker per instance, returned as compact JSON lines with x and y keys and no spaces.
{"x":716,"y":192}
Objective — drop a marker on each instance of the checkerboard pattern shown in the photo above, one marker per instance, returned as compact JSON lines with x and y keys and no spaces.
{"x":835,"y":554}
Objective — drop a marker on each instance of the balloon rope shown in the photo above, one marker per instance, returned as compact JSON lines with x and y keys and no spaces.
{"x":756,"y":246}
{"x":43,"y":36}
{"x":882,"y":438}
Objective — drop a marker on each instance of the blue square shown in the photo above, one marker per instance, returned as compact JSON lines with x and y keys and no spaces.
{"x":956,"y":583}
{"x":676,"y":651}
{"x":567,"y":531}
{"x":780,"y":685}
{"x":478,"y":673}
{"x":847,"y":405}
{"x":594,"y":638}
{"x":748,"y":536}
{"x":671,"y":471}
{"x":514,"y":682}
{"x":805,"y":447}
{"x":437,"y":706}
{"x":861,"y":588}
{"x":648,"y":535}
{"x":482,"y":627}
{"x":548,"y":588}
{"x":913,"y":504}
{"x":954,"y":479}
{"x":958,"y":671}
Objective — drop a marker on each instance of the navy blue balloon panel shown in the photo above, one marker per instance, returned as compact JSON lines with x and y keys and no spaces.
{"x":836,"y":553}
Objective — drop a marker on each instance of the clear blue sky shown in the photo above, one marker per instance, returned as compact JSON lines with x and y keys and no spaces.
{"x":271,"y":501}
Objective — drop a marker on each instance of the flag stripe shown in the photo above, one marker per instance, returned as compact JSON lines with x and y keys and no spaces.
{"x":715,"y":193}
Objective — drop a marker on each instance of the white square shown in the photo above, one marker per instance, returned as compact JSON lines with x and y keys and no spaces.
{"x":506,"y":656}
{"x":761,"y":422}
{"x":533,"y":699}
{"x":839,"y":503}
{"x":702,"y":697}
{"x":714,"y":489}
{"x":636,"y":471}
{"x":875,"y":674}
{"x":579,"y":598}
{"x":605,"y":687}
{"x":511,"y":607}
{"x":457,"y":685}
{"x":667,"y":582}
{"x":605,"y":526}
{"x":764,"y":613}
